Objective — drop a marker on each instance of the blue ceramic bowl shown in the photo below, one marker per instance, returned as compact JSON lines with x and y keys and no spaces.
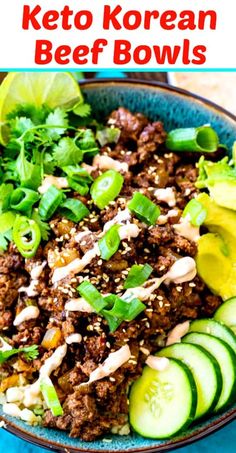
{"x":176,"y":108}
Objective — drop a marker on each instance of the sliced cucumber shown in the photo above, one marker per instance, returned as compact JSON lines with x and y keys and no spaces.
{"x":226,"y":313}
{"x":216,"y":329}
{"x":226,"y":359}
{"x":162,"y":403}
{"x":205,"y":370}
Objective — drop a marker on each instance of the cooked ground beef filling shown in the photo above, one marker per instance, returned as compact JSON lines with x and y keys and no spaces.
{"x":102,"y":406}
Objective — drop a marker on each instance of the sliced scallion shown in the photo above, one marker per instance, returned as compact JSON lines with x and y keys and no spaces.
{"x":92,"y":296}
{"x":202,"y":139}
{"x":74,"y":210}
{"x":26,"y":235}
{"x":137,"y":275}
{"x":23,"y":199}
{"x":109,"y":243}
{"x":50,"y":396}
{"x":135,"y":308}
{"x":106,"y":188}
{"x":144,"y":209}
{"x":121,"y":310}
{"x":196,"y":212}
{"x":49,"y":202}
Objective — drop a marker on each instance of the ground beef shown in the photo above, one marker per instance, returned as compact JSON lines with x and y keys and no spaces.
{"x":94,"y":410}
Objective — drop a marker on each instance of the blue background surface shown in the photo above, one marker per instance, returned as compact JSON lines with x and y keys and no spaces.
{"x":220,"y":442}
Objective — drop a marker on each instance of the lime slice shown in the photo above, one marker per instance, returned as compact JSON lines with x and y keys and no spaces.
{"x":56,"y":89}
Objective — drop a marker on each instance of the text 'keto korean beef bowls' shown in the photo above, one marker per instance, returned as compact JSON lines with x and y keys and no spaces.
{"x":117,"y":264}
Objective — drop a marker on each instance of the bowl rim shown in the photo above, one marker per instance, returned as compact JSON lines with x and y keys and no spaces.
{"x":155,"y":84}
{"x":171,"y":444}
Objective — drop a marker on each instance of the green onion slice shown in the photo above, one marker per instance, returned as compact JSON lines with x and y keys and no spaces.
{"x":50,"y":396}
{"x":121,"y":310}
{"x":92,"y":296}
{"x":144,"y":209}
{"x":109,"y":243}
{"x":196,"y":212}
{"x":106,"y":188}
{"x":26,"y":235}
{"x":202,"y":139}
{"x":74,"y":209}
{"x":82,"y":189}
{"x":23,"y":199}
{"x":49,"y":202}
{"x":137,"y":275}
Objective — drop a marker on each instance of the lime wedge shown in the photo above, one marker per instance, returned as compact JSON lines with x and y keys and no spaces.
{"x":56,"y":89}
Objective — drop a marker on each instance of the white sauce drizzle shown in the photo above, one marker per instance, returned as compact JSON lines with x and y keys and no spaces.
{"x":177,"y":333}
{"x":114,"y":361}
{"x":167,"y":195}
{"x":35,"y":273}
{"x":4,"y":346}
{"x":163,"y":219}
{"x":49,"y":180}
{"x":157,"y":363}
{"x":122,"y":216}
{"x":183,"y":270}
{"x":186,"y":229}
{"x":79,"y":304}
{"x":30,"y":312}
{"x":74,"y":338}
{"x":74,"y":267}
{"x":107,"y":163}
{"x":32,"y":392}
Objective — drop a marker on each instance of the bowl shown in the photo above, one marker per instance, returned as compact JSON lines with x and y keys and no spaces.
{"x":176,"y":108}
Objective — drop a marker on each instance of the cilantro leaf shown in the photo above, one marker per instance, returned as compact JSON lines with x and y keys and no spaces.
{"x":19,"y":126}
{"x":82,"y":110}
{"x":44,"y":227}
{"x":5,"y":194}
{"x":56,"y":118}
{"x":30,"y":353}
{"x":37,"y":114}
{"x":66,"y":152}
{"x":87,"y":143}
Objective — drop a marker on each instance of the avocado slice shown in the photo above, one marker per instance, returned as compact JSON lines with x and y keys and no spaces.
{"x":216,"y":257}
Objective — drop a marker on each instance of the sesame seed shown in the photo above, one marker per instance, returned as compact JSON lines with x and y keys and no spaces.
{"x":145,"y":351}
{"x":161,"y":303}
{"x":112,"y":379}
{"x":192,"y":285}
{"x":162,"y":268}
{"x":147,"y":324}
{"x":141,"y":342}
{"x":108,"y":345}
{"x":179,"y":288}
{"x":147,"y":250}
{"x":160,"y":297}
{"x":100,"y":262}
{"x":133,"y":362}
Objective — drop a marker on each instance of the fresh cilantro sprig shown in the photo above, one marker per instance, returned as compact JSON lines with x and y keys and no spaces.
{"x":30,"y":353}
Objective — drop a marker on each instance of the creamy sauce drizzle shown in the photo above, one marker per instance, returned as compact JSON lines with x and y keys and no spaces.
{"x":187,"y":230}
{"x":30,"y":312}
{"x":157,"y":363}
{"x":166,"y":195}
{"x":35,"y":273}
{"x":107,"y":163}
{"x":79,"y":304}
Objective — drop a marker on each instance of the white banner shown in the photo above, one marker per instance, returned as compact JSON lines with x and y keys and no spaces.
{"x":127,"y":34}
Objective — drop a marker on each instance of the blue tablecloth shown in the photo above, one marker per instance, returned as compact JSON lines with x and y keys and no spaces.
{"x":223,"y":441}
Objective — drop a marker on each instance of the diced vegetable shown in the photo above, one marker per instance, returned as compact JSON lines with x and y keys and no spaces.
{"x":8,"y":382}
{"x":106,"y":188}
{"x":52,"y":338}
{"x":137,"y":275}
{"x":27,"y":236}
{"x":109,"y":243}
{"x":200,"y":139}
{"x":144,"y":209}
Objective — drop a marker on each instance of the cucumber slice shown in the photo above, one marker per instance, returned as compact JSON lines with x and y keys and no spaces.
{"x":226,"y":359}
{"x":216,"y":329}
{"x":205,"y":370}
{"x":162,"y":403}
{"x":226,"y":313}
